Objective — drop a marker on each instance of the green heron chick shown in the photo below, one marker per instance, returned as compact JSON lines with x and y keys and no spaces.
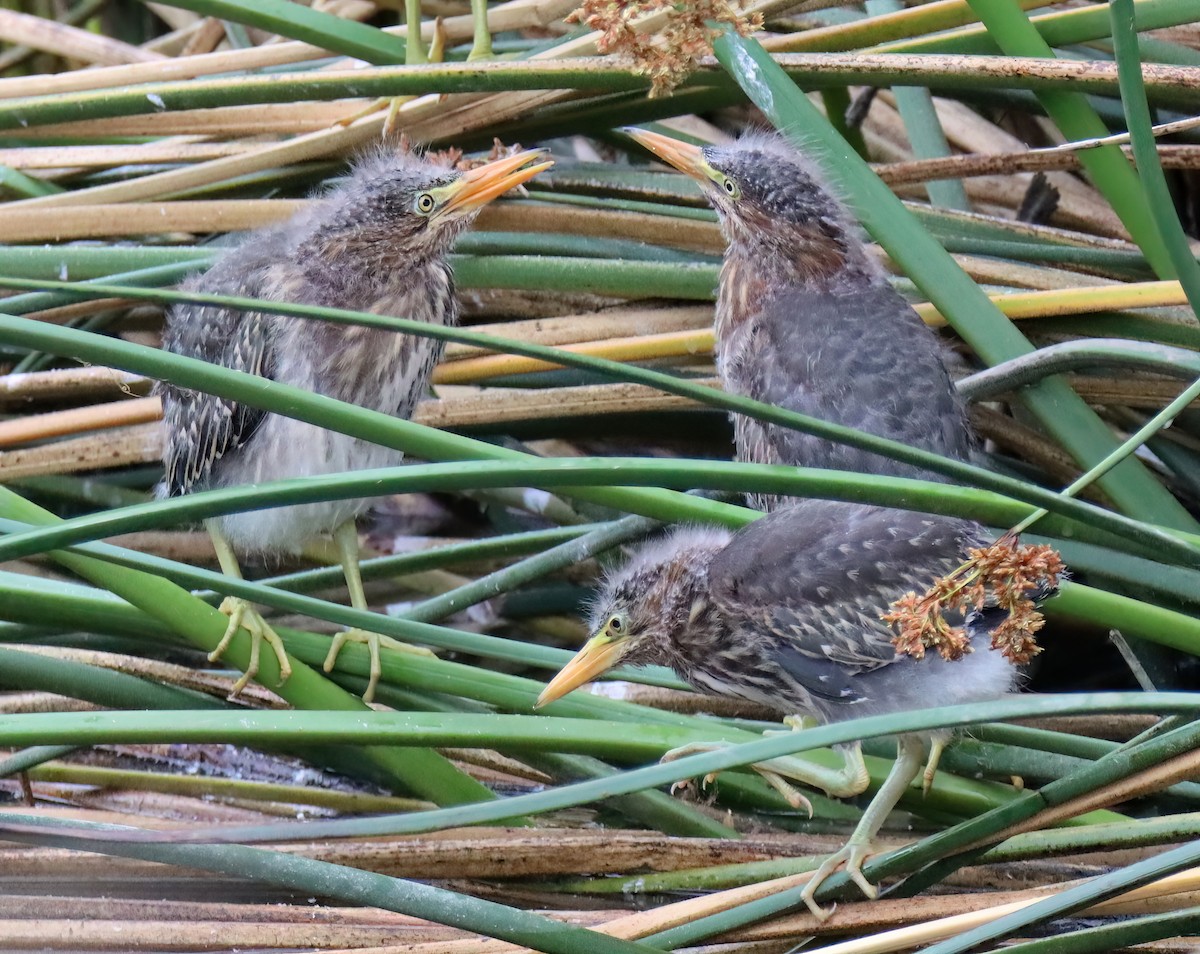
{"x":786,"y":613}
{"x":376,"y":243}
{"x":807,"y":320}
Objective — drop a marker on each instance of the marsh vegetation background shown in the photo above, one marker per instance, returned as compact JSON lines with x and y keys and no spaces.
{"x":569,"y":418}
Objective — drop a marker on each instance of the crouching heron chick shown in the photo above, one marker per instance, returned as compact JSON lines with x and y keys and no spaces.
{"x":807,"y":320}
{"x":375,"y":243}
{"x":786,"y":613}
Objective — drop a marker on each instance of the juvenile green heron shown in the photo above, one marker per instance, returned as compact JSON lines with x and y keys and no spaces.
{"x":376,"y":243}
{"x":786,"y":612}
{"x":807,"y":320}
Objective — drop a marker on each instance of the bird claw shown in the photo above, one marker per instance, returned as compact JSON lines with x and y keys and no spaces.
{"x":242,"y":615}
{"x":790,"y":794}
{"x":687,"y":784}
{"x":852,"y":855}
{"x":683,"y":785}
{"x":691,"y":749}
{"x":373,"y":641}
{"x":772,"y":778}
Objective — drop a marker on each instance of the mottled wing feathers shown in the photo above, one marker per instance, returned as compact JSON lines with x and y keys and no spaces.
{"x":861,"y":358}
{"x":201,"y":428}
{"x":814,"y":578}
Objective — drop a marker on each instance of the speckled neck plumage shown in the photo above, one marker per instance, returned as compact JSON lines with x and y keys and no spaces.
{"x":760,"y":260}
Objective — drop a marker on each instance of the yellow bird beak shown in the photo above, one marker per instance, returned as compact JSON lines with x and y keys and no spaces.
{"x":682,"y":155}
{"x":599,"y":654}
{"x":479,"y":186}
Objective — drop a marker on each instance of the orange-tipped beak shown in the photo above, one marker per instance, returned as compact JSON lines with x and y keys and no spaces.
{"x":682,"y":155}
{"x":479,"y":186}
{"x":598,"y":656}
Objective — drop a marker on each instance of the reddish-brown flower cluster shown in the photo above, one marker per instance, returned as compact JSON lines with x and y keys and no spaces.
{"x":669,"y":54}
{"x":1006,"y":575}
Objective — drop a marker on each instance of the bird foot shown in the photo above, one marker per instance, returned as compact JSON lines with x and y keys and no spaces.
{"x":931,"y":766}
{"x":852,"y":855}
{"x":687,"y":785}
{"x":373,"y":641}
{"x":771,"y":777}
{"x":242,"y":615}
{"x":791,"y":795}
{"x":796,"y":723}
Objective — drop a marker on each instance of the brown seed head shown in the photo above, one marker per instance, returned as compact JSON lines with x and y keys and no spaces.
{"x":1004,"y":575}
{"x":669,"y":54}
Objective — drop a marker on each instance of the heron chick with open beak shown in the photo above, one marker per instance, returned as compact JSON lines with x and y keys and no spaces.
{"x":807,"y":320}
{"x":377,"y":243}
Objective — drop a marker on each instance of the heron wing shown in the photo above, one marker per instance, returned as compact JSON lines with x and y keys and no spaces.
{"x":813,"y":579}
{"x":860,"y":358}
{"x":202,"y":428}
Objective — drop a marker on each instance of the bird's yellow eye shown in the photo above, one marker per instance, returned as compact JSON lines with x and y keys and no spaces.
{"x":615,"y":625}
{"x":730,"y":187}
{"x":425,"y":203}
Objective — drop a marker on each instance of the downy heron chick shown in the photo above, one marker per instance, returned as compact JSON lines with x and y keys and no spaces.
{"x":787,"y":613}
{"x":378,"y":243}
{"x":807,"y":320}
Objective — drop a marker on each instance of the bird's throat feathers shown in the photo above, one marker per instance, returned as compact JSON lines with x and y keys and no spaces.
{"x":819,"y":255}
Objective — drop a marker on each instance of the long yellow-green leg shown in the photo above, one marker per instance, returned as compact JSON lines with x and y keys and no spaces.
{"x":481,"y":45}
{"x":936,"y":747}
{"x":862,"y":842}
{"x":346,"y":538}
{"x":242,"y":615}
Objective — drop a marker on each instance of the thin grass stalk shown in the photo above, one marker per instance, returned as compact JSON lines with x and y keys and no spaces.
{"x":532,"y":568}
{"x":489,"y":548}
{"x":1110,"y":937}
{"x":216,"y":786}
{"x":1158,"y":422}
{"x":925,"y":133}
{"x":376,"y":725}
{"x":1170,"y":86}
{"x":1059,"y":28}
{"x":655,"y":809}
{"x":23,"y":670}
{"x":1073,"y":899}
{"x":431,"y":444}
{"x":1079,"y":354}
{"x":1106,"y":166}
{"x":575,"y":473}
{"x":32,"y":757}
